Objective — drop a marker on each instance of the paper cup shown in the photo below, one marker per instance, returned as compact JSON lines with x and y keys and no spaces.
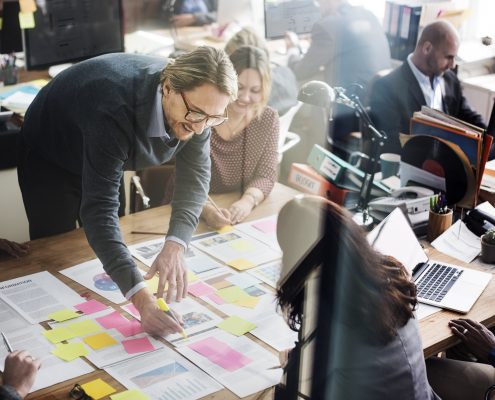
{"x":389,"y":163}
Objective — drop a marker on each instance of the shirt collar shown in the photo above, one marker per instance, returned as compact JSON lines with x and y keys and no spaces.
{"x":422,"y":78}
{"x":156,"y":127}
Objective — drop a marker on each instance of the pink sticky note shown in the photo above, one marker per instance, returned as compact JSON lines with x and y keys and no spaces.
{"x":216,"y":298}
{"x":90,"y":307}
{"x":131,"y":309}
{"x":133,"y":346}
{"x":266,"y":226}
{"x":221,"y":354}
{"x":112,"y":320}
{"x":131,"y":328}
{"x":200,"y":289}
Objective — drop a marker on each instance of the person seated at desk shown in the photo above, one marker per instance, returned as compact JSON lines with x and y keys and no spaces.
{"x":424,"y":79}
{"x":124,"y":112}
{"x":376,"y":348}
{"x":13,"y":249}
{"x":19,"y":375}
{"x":193,"y":12}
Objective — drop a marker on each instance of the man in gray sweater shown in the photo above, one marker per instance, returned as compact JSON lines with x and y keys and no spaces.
{"x":124,"y":112}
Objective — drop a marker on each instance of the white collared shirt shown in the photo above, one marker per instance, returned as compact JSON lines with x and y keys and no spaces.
{"x":433,"y":95}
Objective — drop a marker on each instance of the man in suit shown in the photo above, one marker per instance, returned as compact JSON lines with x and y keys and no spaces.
{"x":425,"y":78}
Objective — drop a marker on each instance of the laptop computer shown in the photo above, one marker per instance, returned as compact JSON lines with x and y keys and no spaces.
{"x":440,"y":284}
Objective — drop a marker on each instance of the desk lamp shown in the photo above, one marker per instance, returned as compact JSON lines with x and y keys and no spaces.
{"x":318,"y":93}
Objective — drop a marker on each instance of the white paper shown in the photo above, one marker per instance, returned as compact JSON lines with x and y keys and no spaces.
{"x":252,"y":378}
{"x":487,"y":208}
{"x":268,"y":273}
{"x":10,"y":319}
{"x":269,"y":238}
{"x":18,"y":101}
{"x":425,"y":310}
{"x":37,"y":295}
{"x":458,"y":242}
{"x":53,"y":370}
{"x":146,"y":252}
{"x":243,"y":280}
{"x":92,"y":275}
{"x":272,"y":329}
{"x":164,"y":375}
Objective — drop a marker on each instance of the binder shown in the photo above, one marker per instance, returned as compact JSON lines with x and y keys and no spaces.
{"x":394,"y":29}
{"x":341,"y":173}
{"x":408,"y":30}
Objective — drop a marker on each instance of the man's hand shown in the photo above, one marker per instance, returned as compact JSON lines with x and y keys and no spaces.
{"x":241,"y":209}
{"x":181,"y":20}
{"x":20,"y":371}
{"x":170,"y":267}
{"x":153,"y":320}
{"x":215,"y":219}
{"x":14,"y":249}
{"x":479,"y":340}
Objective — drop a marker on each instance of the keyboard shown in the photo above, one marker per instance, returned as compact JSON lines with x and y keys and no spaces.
{"x":437,"y":281}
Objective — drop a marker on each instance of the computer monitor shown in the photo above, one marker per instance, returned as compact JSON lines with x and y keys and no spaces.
{"x":241,"y":12}
{"x":73,"y":30}
{"x":10,"y":34}
{"x":289,"y":15}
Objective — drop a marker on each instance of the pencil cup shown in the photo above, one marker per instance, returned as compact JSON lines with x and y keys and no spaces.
{"x":10,"y":75}
{"x":438,"y":224}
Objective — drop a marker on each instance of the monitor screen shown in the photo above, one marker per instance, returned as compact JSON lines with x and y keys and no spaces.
{"x":289,"y":15}
{"x":73,"y":30}
{"x":10,"y":34}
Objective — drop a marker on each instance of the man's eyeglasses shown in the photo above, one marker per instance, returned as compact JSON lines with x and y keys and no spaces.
{"x":197,"y":116}
{"x":78,"y":393}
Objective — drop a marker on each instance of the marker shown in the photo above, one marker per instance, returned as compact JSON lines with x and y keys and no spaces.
{"x":6,"y":342}
{"x":165,"y":308}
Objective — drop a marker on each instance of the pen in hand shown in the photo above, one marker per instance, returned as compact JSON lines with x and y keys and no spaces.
{"x":6,"y":342}
{"x":165,"y":308}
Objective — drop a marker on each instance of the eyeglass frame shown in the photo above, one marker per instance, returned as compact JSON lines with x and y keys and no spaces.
{"x":78,"y":393}
{"x":204,"y":116}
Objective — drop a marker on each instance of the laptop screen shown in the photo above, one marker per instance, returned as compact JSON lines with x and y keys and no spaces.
{"x":395,"y":237}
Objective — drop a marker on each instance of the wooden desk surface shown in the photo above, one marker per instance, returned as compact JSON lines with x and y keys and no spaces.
{"x":63,"y":251}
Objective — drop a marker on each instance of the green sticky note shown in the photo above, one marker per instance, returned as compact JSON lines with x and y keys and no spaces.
{"x":99,"y":341}
{"x":58,"y":335}
{"x":248,"y":301}
{"x":232,"y":294}
{"x":242,"y":245}
{"x":98,"y":389}
{"x":241,"y":264}
{"x":86,"y":327}
{"x":26,"y":20}
{"x":70,"y":351}
{"x":63,"y":315}
{"x":132,"y":394}
{"x":237,"y":326}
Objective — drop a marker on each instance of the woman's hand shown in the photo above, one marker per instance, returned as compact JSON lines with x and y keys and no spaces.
{"x":214,"y":218}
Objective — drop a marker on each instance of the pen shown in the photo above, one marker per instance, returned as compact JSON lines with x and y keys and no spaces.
{"x":148,"y":233}
{"x":165,"y":308}
{"x":6,"y":342}
{"x":214,"y":205}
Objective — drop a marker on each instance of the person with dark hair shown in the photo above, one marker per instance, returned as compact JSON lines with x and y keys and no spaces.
{"x":192,"y":12}
{"x":19,"y":375}
{"x":375,"y":347}
{"x":426,"y":78}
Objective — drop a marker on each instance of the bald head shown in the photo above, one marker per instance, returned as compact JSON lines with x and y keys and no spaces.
{"x":438,"y":32}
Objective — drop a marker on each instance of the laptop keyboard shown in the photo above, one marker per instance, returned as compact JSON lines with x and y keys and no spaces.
{"x":437,"y":281}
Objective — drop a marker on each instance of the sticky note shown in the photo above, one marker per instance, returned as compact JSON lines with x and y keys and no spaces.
{"x":131,"y":309}
{"x":242,"y":245}
{"x":99,"y":341}
{"x":70,"y":351}
{"x":266,"y":226}
{"x":191,"y":276}
{"x":90,"y":306}
{"x":63,"y":315}
{"x":216,"y":299}
{"x":26,"y":20}
{"x":1,"y":23}
{"x":248,"y":301}
{"x":237,"y":326}
{"x":141,"y":345}
{"x":242,"y":280}
{"x":112,"y":320}
{"x":132,"y":394}
{"x":131,"y":328}
{"x":241,"y":264}
{"x":82,"y":328}
{"x":220,"y":353}
{"x":200,"y":289}
{"x":98,"y":389}
{"x":27,"y":6}
{"x":58,"y":335}
{"x":225,"y":229}
{"x":231,"y":294}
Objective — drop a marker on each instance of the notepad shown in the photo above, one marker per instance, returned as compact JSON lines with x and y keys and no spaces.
{"x":132,"y":394}
{"x":63,"y":315}
{"x":240,"y":264}
{"x":133,"y":346}
{"x":90,"y":306}
{"x":221,"y":354}
{"x":100,"y":341}
{"x":98,"y":389}
{"x":236,"y":325}
{"x":70,"y":351}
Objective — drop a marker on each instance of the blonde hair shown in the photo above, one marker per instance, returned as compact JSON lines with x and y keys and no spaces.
{"x":250,"y":57}
{"x":245,"y":37}
{"x":203,"y":65}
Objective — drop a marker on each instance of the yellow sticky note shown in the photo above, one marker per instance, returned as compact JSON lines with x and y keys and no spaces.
{"x":248,"y":301}
{"x":241,"y":264}
{"x":99,"y":341}
{"x":86,"y":327}
{"x":225,"y":229}
{"x":153,"y":284}
{"x":98,"y":389}
{"x":26,"y":20}
{"x":232,"y":294}
{"x":191,"y":276}
{"x":237,"y":326}
{"x":58,"y":335}
{"x":70,"y":351}
{"x":63,"y":315}
{"x":242,"y":245}
{"x":132,"y":394}
{"x":27,"y":6}
{"x":1,"y":23}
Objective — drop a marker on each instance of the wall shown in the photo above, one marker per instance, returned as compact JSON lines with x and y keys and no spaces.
{"x":13,"y":221}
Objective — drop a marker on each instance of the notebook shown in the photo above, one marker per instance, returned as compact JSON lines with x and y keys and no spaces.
{"x":440,"y":284}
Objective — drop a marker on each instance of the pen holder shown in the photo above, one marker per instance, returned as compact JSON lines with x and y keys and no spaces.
{"x":9,"y":75}
{"x":438,"y":224}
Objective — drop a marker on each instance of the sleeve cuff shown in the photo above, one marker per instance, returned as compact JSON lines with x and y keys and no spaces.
{"x":176,"y":240}
{"x":135,"y":289}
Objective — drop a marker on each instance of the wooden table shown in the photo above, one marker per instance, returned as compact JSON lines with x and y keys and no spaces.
{"x":56,"y":253}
